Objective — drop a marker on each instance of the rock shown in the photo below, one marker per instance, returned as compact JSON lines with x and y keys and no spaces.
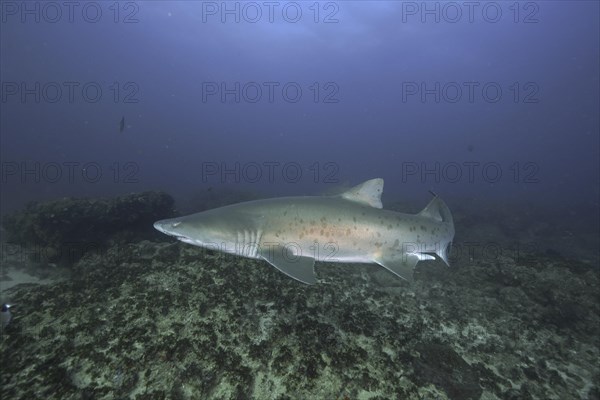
{"x":63,"y":230}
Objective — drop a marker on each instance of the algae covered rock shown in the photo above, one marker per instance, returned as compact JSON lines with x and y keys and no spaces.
{"x":157,"y":320}
{"x":66,"y":227}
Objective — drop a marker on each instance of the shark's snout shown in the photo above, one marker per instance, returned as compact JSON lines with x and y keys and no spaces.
{"x":173,"y":228}
{"x":158,"y":225}
{"x":167,"y":226}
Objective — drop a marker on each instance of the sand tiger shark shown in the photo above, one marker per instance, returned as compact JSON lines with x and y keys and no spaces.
{"x":291,"y":233}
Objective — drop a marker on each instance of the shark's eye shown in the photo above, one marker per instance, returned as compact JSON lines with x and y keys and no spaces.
{"x":175,"y":224}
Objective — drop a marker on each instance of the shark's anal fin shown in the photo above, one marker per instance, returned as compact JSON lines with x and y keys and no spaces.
{"x":404,"y":267}
{"x":298,"y":267}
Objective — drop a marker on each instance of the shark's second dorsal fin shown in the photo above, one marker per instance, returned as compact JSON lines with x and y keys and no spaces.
{"x":432,"y":210}
{"x":368,"y":193}
{"x":437,"y":210}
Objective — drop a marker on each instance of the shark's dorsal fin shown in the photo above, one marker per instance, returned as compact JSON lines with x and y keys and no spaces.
{"x":368,"y":193}
{"x":432,"y":210}
{"x":437,"y":210}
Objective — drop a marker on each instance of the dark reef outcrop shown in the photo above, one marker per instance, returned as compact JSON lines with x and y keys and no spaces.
{"x":64,"y":228}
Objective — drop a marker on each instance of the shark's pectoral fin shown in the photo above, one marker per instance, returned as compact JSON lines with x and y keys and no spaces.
{"x":298,"y":267}
{"x":403,"y":267}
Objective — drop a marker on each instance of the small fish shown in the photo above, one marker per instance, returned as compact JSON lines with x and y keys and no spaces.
{"x":122,"y":125}
{"x":5,"y":314}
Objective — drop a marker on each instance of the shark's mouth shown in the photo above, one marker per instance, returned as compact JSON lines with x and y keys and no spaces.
{"x":187,"y":240}
{"x":164,"y":228}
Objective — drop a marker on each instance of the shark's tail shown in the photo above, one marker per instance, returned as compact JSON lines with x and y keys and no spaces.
{"x":438,"y":210}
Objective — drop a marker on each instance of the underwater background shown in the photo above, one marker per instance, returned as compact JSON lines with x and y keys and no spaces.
{"x":117,"y":114}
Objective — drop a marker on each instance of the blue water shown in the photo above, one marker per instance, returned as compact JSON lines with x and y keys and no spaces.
{"x":488,"y":101}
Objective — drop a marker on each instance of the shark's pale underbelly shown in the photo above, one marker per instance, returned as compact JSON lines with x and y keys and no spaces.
{"x":335,"y":244}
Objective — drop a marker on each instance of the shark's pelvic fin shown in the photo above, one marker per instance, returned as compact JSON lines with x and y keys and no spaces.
{"x":298,"y":267}
{"x":367,"y":193}
{"x":403,"y":267}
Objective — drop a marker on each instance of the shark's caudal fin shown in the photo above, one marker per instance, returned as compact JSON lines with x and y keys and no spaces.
{"x":439,"y":211}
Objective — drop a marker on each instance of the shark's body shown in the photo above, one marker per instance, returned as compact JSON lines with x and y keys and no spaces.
{"x":292,"y":232}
